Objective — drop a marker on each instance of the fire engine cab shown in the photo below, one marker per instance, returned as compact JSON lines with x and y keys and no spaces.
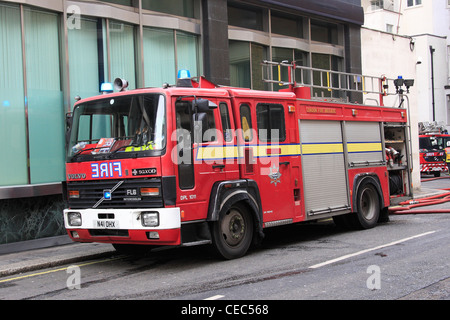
{"x":197,"y":163}
{"x":434,"y":147}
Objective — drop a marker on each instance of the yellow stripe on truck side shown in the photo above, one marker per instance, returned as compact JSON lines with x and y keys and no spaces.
{"x":234,"y":152}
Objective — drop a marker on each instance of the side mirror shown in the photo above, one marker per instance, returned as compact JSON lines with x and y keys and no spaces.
{"x":202,"y":105}
{"x":69,"y":121}
{"x":200,"y":121}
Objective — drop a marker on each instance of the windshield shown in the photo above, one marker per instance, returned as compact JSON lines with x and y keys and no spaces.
{"x":438,"y":143}
{"x":118,"y":127}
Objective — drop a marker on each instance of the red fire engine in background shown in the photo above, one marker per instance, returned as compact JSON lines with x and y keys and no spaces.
{"x":196,"y":163}
{"x":434,"y":148}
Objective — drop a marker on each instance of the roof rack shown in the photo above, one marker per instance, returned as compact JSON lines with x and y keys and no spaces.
{"x":330,"y":84}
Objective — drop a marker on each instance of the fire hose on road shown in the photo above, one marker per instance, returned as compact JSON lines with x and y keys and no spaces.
{"x":406,"y":207}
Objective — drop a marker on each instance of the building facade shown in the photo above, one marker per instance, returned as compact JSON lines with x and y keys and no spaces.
{"x":52,"y":51}
{"x":425,"y":24}
{"x":411,"y":38}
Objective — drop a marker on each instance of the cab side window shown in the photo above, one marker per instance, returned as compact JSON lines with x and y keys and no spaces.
{"x":209,"y":133}
{"x":246,"y":123}
{"x":225,"y":118}
{"x":271,"y":123}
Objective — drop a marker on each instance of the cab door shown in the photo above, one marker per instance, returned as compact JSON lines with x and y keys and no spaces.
{"x":277,"y":163}
{"x":203,"y":142}
{"x":268,"y":157}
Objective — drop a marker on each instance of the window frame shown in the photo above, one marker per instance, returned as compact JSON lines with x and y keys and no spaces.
{"x":282,"y":128}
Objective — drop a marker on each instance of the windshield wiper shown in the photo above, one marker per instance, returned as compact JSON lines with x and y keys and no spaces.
{"x":122,"y":147}
{"x":82,"y":150}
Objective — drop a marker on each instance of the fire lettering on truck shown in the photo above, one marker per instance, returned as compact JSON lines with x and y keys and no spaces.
{"x":106,"y":169}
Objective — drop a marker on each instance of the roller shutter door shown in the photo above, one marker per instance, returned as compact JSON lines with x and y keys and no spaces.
{"x":323,"y":166}
{"x":364,"y":144}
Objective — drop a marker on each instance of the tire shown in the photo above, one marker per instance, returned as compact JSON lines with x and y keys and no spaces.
{"x":368,"y":206}
{"x":232,"y":234}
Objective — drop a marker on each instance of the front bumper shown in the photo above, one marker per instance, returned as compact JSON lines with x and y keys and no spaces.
{"x":125,"y":226}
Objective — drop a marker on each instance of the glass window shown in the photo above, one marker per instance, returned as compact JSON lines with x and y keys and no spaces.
{"x":184,"y":145}
{"x":45,"y":97}
{"x":246,"y":123}
{"x":187,"y":52}
{"x":184,"y":8}
{"x":325,"y":79}
{"x":122,"y":52}
{"x":324,"y":32}
{"x":281,"y":73}
{"x":209,"y":132}
{"x":225,"y":118}
{"x":259,"y":53}
{"x":13,"y":145}
{"x":122,"y":2}
{"x":86,"y":61}
{"x":245,"y":17}
{"x":159,"y":57}
{"x":240,"y":64}
{"x":377,"y":4}
{"x":414,"y":2}
{"x":245,"y":65}
{"x":271,"y":126}
{"x":119,"y":127}
{"x":287,"y":25}
{"x":301,"y":59}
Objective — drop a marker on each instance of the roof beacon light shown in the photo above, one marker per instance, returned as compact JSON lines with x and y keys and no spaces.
{"x":120,"y":84}
{"x":184,"y":78}
{"x":184,"y":74}
{"x":106,"y":87}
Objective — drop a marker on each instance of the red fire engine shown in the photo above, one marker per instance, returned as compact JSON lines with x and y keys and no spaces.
{"x":201,"y":164}
{"x":433,"y":144}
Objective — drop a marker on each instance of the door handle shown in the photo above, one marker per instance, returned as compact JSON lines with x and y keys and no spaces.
{"x":285,"y":162}
{"x":218,"y":166}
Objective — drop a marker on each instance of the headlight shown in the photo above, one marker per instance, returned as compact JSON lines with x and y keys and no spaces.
{"x":74,"y":219}
{"x":150,"y":219}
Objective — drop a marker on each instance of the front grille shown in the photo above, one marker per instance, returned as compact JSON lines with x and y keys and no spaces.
{"x":127,"y":195}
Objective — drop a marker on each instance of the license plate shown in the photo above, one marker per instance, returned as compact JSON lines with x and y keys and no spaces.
{"x":106,"y":224}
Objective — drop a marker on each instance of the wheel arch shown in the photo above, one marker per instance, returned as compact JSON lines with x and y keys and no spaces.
{"x":225,"y":194}
{"x":361,"y":179}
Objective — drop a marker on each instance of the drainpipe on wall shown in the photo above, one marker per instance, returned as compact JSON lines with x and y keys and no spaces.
{"x":432,"y":50}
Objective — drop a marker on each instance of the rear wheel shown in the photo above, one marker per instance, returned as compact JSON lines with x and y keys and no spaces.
{"x":368,"y":206}
{"x":232,"y":234}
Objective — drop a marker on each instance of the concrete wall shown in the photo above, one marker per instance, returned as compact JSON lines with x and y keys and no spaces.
{"x":390,"y":55}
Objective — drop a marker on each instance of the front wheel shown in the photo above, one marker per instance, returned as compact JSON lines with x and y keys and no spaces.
{"x":232,"y":234}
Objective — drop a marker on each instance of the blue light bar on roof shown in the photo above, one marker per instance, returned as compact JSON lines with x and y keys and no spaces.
{"x":106,"y":87}
{"x":183,"y":74}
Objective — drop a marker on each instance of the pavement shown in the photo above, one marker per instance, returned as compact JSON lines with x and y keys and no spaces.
{"x":72,"y":253}
{"x":36,"y":259}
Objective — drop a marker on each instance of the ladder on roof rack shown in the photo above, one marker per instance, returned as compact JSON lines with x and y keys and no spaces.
{"x":334,"y":84}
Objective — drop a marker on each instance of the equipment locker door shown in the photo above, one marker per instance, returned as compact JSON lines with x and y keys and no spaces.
{"x":324,"y":168}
